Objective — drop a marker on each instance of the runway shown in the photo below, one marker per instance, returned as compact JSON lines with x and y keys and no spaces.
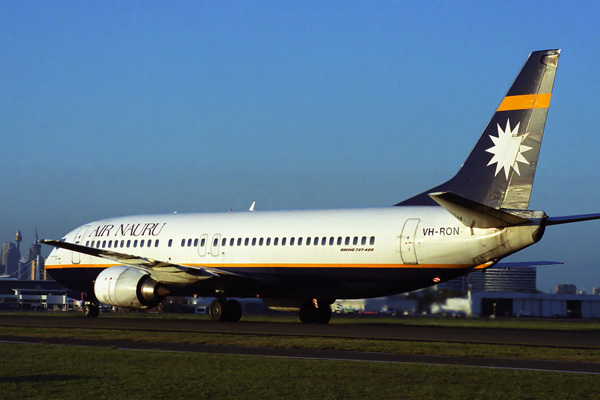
{"x":559,"y":339}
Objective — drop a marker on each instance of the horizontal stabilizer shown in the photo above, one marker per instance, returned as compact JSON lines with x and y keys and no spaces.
{"x":475,"y":215}
{"x":517,"y":264}
{"x":571,"y":218}
{"x":526,"y":264}
{"x":169,"y":272}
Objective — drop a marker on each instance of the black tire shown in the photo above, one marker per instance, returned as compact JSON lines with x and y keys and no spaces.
{"x":90,"y":310}
{"x":307,"y":312}
{"x":233,"y":311}
{"x":323,"y":314}
{"x":216,"y":311}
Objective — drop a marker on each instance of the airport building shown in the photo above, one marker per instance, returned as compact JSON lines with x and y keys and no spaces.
{"x":29,"y":294}
{"x":512,"y":292}
{"x":541,"y":305}
{"x":499,"y":292}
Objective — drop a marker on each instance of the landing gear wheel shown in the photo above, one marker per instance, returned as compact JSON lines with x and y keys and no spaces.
{"x":216,"y":311}
{"x":307,"y":311}
{"x":90,"y":310}
{"x":233,"y":311}
{"x":225,"y":310}
{"x":323,"y":314}
{"x":311,"y":314}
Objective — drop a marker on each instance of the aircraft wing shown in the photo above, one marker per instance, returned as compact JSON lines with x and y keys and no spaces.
{"x":162,"y":271}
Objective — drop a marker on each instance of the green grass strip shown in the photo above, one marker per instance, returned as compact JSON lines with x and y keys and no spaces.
{"x":64,"y":372}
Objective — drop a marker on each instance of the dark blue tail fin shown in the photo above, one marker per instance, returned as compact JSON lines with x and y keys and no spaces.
{"x":499,"y":171}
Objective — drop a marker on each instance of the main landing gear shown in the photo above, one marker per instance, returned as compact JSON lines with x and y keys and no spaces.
{"x":90,"y":309}
{"x":225,"y":310}
{"x":315,"y":311}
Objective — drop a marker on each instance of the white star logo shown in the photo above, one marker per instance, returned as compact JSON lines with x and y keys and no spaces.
{"x":508,"y":150}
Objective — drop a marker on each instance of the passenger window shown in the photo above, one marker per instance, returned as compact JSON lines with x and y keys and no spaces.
{"x":128,"y":243}
{"x":339,"y":240}
{"x":203,"y":242}
{"x":109,"y":244}
{"x":268,"y":241}
{"x":135,"y":243}
{"x":331,"y":241}
{"x":261,"y":241}
{"x":224,"y":242}
{"x":170,"y":242}
{"x":87,"y":243}
{"x":283,"y":240}
{"x":239,"y":241}
{"x":103,"y":243}
{"x":93,"y":242}
{"x":355,"y":241}
{"x":182,"y":242}
{"x":372,"y":240}
{"x":142,"y":243}
{"x":363,"y":241}
{"x":307,"y":241}
{"x":275,"y":241}
{"x":246,"y":241}
{"x":299,"y":241}
{"x":324,"y":241}
{"x":253,"y":241}
{"x":196,"y":242}
{"x":215,"y":242}
{"x":231,"y":241}
{"x":347,"y":241}
{"x":156,"y":243}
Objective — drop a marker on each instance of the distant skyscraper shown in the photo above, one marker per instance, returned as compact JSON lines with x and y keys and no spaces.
{"x":566,"y":288}
{"x":10,"y":259}
{"x":35,"y":263}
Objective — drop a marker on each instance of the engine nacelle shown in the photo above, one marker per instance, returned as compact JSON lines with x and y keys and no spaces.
{"x":128,"y":287}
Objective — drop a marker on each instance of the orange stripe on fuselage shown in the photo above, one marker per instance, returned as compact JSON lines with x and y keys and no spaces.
{"x":443,"y":266}
{"x":525,"y":102}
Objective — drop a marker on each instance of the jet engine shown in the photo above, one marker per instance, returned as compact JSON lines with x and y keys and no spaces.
{"x":128,"y":287}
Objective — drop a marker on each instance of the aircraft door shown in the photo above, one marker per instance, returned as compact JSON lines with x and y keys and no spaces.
{"x":202,"y":245}
{"x":216,"y":241}
{"x":407,"y":241}
{"x":76,"y":256}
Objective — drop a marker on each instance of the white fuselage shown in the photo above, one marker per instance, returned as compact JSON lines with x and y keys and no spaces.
{"x":354,"y":246}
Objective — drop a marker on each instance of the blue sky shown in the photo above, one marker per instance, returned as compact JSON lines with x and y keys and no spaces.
{"x":115,"y":108}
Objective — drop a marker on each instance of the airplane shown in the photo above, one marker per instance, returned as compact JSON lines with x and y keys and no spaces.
{"x":306,"y":259}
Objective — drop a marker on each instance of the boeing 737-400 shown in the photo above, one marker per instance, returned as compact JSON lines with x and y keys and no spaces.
{"x":305,"y":260}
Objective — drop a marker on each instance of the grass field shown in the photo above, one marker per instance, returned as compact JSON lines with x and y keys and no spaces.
{"x":65,"y":372}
